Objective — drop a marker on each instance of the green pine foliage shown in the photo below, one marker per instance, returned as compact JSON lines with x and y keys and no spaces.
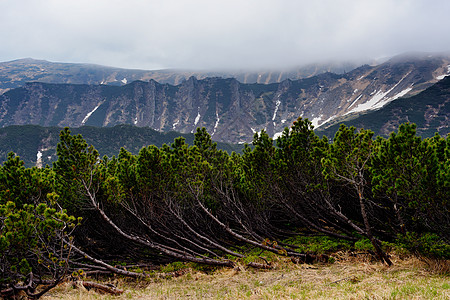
{"x":198,"y":203}
{"x":34,"y":246}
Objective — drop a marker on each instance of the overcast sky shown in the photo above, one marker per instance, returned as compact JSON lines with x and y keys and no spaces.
{"x":210,"y":34}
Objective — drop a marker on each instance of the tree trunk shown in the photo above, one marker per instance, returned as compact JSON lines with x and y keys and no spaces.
{"x":375,"y":242}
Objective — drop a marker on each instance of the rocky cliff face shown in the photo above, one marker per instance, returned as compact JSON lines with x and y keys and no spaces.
{"x":429,"y":110}
{"x":231,"y":111}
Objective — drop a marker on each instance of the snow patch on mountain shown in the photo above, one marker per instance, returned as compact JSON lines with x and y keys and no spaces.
{"x":402,"y":93}
{"x":444,"y":75}
{"x":277,"y":135}
{"x":216,"y":124}
{"x":89,"y":114}
{"x":379,"y":99}
{"x":197,"y":118}
{"x":315,"y":121}
{"x":39,"y":159}
{"x":326,"y":121}
{"x":277,"y":104}
{"x":355,"y":100}
{"x":371,"y":104}
{"x":174,"y":125}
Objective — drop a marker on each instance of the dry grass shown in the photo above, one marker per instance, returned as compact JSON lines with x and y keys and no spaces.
{"x":347,"y":278}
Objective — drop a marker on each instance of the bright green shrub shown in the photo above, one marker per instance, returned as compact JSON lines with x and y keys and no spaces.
{"x":33,"y":246}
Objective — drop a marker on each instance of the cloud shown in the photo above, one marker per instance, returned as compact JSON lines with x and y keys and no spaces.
{"x":207,"y":34}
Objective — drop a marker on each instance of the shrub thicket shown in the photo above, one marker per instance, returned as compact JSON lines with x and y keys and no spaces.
{"x":197,"y":203}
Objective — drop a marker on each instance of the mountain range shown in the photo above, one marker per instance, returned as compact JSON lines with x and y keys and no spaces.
{"x":16,"y":73}
{"x":230,"y":110}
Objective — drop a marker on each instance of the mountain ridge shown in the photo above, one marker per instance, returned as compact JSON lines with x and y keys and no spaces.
{"x":82,"y":73}
{"x":230,"y":110}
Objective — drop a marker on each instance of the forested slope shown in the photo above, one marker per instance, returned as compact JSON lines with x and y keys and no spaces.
{"x":36,"y":145}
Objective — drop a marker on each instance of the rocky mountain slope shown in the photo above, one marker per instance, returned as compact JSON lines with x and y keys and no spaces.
{"x":231,"y":111}
{"x":14,"y":74}
{"x":429,"y":110}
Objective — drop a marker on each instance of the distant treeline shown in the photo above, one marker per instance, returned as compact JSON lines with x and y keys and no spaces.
{"x":27,"y":140}
{"x":200,"y":204}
